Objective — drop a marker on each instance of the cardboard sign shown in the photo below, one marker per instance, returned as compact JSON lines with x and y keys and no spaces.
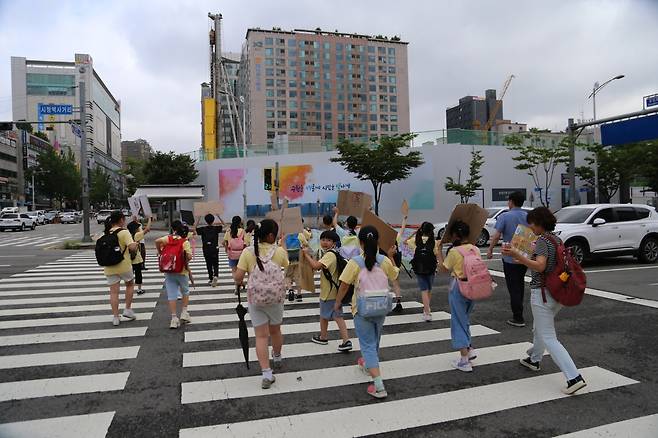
{"x":133,"y":202}
{"x":291,"y":222}
{"x":524,"y":240}
{"x":405,"y":208}
{"x":203,"y":208}
{"x":307,"y":276}
{"x":473,"y":215}
{"x":353,"y":203}
{"x":146,"y":206}
{"x":274,"y":201}
{"x":387,"y":235}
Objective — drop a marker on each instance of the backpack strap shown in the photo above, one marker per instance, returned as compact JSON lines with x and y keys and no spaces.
{"x":552,"y":240}
{"x":117,"y":231}
{"x":328,"y":275}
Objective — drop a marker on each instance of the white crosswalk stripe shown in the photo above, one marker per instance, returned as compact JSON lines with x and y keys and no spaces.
{"x":38,"y":241}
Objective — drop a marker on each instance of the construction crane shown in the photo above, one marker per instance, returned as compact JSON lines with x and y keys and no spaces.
{"x":499,"y":102}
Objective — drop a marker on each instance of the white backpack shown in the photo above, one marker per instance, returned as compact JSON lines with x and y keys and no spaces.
{"x":267,"y":286}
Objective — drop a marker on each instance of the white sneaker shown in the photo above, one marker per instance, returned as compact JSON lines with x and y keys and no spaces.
{"x":215,"y":280}
{"x":185,"y":317}
{"x":129,"y":314}
{"x":175,"y":323}
{"x":461,"y":366}
{"x":472,"y":354}
{"x":427,"y":317}
{"x":115,"y":321}
{"x":180,"y":296}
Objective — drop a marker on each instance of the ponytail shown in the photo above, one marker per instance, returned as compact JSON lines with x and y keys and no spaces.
{"x":235,"y":225}
{"x":426,"y":229}
{"x":369,"y":238}
{"x":460,"y":231}
{"x":113,"y":219}
{"x":262,"y":230}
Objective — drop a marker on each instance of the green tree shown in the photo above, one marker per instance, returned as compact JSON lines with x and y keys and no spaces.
{"x":537,"y":159}
{"x":42,"y":136}
{"x":610,"y":169}
{"x":469,"y":189}
{"x":57,"y":176}
{"x":380,"y":162}
{"x":134,"y":174}
{"x":169,"y":168}
{"x":100,"y":186}
{"x":650,"y":165}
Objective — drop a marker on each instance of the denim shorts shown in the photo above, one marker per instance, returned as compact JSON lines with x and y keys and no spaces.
{"x":327,"y":310}
{"x":233,"y":263}
{"x":175,"y":283}
{"x":425,"y":281}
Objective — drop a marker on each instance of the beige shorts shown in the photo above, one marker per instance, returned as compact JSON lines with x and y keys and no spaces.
{"x":293,"y":275}
{"x":117,"y":278}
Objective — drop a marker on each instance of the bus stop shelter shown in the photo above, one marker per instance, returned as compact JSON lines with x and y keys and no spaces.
{"x":171,"y":194}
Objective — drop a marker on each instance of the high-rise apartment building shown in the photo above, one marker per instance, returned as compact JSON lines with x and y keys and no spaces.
{"x":473,"y":112}
{"x":139,"y":149}
{"x":323,"y":85}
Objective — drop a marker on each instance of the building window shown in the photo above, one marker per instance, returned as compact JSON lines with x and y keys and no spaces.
{"x":292,"y":93}
{"x":391,"y":60}
{"x":394,"y":128}
{"x":269,"y":52}
{"x":292,"y":43}
{"x":292,"y":53}
{"x":280,"y":103}
{"x":294,"y":124}
{"x":392,"y":89}
{"x":281,"y":124}
{"x":383,"y":127}
{"x":391,"y":51}
{"x":372,"y":117}
{"x":381,"y":50}
{"x":280,"y":82}
{"x":339,"y":47}
{"x":383,"y":108}
{"x":269,"y":103}
{"x":293,"y":114}
{"x":292,"y":84}
{"x":394,"y":108}
{"x":327,"y":106}
{"x":270,"y":135}
{"x":269,"y":114}
{"x":392,"y":79}
{"x":391,"y":70}
{"x":269,"y":93}
{"x":371,"y":49}
{"x":270,"y":124}
{"x":269,"y":61}
{"x":39,"y":84}
{"x":269,"y":72}
{"x":269,"y":41}
{"x":281,"y":42}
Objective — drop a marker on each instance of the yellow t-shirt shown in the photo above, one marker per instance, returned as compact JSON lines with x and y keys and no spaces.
{"x":351,"y":272}
{"x":454,"y":261}
{"x":227,"y":235}
{"x":139,"y":236}
{"x":248,"y":238}
{"x":187,"y":248}
{"x":247,"y":260}
{"x":411,"y":243}
{"x":327,"y":290}
{"x":125,"y":239}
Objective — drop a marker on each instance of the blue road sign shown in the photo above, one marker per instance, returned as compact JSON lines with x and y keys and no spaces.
{"x":651,"y":101}
{"x":55,"y":109}
{"x":76,"y":130}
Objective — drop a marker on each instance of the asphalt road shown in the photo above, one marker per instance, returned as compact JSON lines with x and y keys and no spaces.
{"x":145,"y":380}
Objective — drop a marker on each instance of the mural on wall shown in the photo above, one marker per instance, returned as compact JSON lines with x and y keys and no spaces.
{"x":293,"y":179}
{"x":230,"y":187}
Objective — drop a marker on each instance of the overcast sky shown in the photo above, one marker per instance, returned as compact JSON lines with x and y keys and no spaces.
{"x":154,"y":54}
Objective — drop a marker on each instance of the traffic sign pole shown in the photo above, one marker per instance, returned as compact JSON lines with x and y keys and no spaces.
{"x":84,"y":167}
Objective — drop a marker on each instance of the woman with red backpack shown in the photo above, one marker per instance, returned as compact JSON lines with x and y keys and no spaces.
{"x":544,"y":307}
{"x":265,"y":294}
{"x":234,"y":242}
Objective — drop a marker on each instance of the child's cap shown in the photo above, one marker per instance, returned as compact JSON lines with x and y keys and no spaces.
{"x":330,"y":234}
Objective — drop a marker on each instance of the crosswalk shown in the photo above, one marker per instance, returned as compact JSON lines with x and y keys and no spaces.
{"x":58,"y":347}
{"x":33,"y":239}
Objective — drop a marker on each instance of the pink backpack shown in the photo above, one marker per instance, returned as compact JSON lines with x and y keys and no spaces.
{"x":267,"y":286}
{"x":373,"y":298}
{"x":235,"y":246}
{"x":478,"y":284}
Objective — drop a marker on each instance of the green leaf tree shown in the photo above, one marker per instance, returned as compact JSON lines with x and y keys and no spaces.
{"x":134,"y":174}
{"x":610,"y":169}
{"x":380,"y":162}
{"x":537,"y":159}
{"x":169,"y":168}
{"x":57,"y":176}
{"x":650,"y":165}
{"x":469,"y":189}
{"x":100,"y":186}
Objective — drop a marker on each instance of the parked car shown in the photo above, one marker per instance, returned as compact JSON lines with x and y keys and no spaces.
{"x":102,"y":215}
{"x":37,"y":216}
{"x":604,"y":230}
{"x":16,"y":221}
{"x":489,"y":227}
{"x":9,"y":210}
{"x":69,"y":218}
{"x":50,"y":216}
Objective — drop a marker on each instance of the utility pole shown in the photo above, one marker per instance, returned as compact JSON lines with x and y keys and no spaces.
{"x":572,"y":163}
{"x":84,"y":169}
{"x":21,"y":143}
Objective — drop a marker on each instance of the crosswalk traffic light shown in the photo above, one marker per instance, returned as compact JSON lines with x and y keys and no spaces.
{"x":268,"y":183}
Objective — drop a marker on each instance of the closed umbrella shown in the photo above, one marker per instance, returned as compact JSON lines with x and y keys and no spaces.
{"x":243,"y":334}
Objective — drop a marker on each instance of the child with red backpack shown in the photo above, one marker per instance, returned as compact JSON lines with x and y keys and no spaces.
{"x":174,"y":254}
{"x":265,"y":294}
{"x":548,"y":261}
{"x":370,"y":274}
{"x":460,"y":306}
{"x":234,"y":242}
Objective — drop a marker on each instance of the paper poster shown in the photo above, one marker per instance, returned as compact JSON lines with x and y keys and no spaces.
{"x":203,"y":208}
{"x":146,"y":206}
{"x":387,"y":235}
{"x":291,"y":222}
{"x":405,"y":208}
{"x":473,"y":215}
{"x":353,"y":203}
{"x":307,"y":275}
{"x":134,"y":205}
{"x":524,"y":240}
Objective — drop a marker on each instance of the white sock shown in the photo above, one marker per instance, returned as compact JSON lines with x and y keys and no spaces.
{"x":277,"y":358}
{"x":267,"y":374}
{"x":184,"y":309}
{"x":173,"y":315}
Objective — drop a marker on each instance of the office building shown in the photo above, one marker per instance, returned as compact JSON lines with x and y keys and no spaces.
{"x":139,"y":150}
{"x":322,"y":85}
{"x":474,"y":112}
{"x":37,"y":85}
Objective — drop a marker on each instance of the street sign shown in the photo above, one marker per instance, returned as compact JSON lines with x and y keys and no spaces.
{"x":76,"y":130}
{"x":55,"y":109}
{"x":650,"y":101}
{"x":565,"y":179}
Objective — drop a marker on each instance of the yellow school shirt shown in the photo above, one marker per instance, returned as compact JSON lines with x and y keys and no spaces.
{"x":227,"y":235}
{"x":187,"y":248}
{"x":351,"y":272}
{"x":247,"y":260}
{"x":411,"y":243}
{"x":125,"y":239}
{"x":327,"y":290}
{"x":139,"y":236}
{"x":454,"y":261}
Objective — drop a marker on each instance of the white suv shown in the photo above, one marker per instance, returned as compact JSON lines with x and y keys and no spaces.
{"x":603,"y":230}
{"x":16,"y":221}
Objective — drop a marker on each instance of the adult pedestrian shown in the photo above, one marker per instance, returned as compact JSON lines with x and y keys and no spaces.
{"x":506,"y":224}
{"x":210,"y":244}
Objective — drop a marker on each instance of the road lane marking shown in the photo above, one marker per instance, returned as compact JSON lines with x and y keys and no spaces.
{"x":640,"y":427}
{"x":75,"y":426}
{"x":632,"y":268}
{"x":67,"y":309}
{"x":66,"y":357}
{"x":66,"y":320}
{"x":46,"y":338}
{"x":25,"y":389}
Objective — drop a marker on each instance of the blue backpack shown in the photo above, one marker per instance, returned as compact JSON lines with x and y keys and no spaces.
{"x":293,"y":246}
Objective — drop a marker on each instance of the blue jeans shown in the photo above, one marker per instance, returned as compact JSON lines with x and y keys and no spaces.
{"x":175,"y":283}
{"x":544,"y":336}
{"x":460,"y":311}
{"x":425,"y":282}
{"x":369,"y":332}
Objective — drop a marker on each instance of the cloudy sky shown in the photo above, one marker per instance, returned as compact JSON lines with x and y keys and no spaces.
{"x":154,"y":54}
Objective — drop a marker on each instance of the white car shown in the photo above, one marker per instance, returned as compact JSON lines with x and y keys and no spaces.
{"x":489,"y":226}
{"x":9,"y":210}
{"x":37,"y":216}
{"x":69,"y":218}
{"x":102,"y":215}
{"x":603,"y":230}
{"x":16,"y":221}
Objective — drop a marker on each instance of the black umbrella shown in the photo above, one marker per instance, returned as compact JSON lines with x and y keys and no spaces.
{"x":242,"y":328}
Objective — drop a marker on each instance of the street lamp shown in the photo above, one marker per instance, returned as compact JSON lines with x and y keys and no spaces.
{"x":244,"y":157}
{"x":597,"y":87}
